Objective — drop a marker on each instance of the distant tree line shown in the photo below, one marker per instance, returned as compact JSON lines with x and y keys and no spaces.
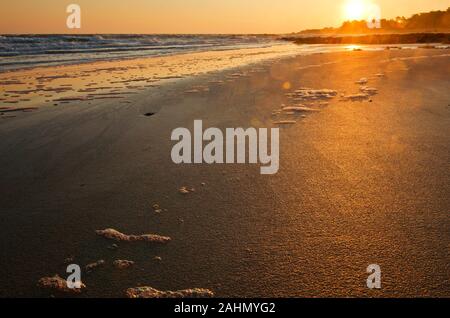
{"x":434,"y":21}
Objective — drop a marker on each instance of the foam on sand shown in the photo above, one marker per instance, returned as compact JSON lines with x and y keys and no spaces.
{"x":93,"y":266}
{"x":362,"y":81}
{"x":157,"y":209}
{"x":192,"y":91}
{"x":150,"y":292}
{"x":356,"y":97}
{"x":59,"y":284}
{"x":115,"y":235}
{"x":285,"y":122}
{"x":185,"y":190}
{"x":365,"y":93}
{"x":308,"y":94}
{"x":123,"y":264}
{"x":299,"y":109}
{"x":368,"y":90}
{"x":114,"y":79}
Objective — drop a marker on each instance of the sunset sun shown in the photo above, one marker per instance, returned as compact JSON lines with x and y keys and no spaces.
{"x":355,"y":10}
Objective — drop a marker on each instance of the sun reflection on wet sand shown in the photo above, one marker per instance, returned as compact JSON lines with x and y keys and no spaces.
{"x":354,"y":47}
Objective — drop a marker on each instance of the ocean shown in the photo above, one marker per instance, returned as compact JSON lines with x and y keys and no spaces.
{"x":27,"y":51}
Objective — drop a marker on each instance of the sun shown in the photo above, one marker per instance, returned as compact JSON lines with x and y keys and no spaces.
{"x":355,"y":10}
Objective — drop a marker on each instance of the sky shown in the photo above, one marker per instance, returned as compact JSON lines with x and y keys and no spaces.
{"x":193,"y":16}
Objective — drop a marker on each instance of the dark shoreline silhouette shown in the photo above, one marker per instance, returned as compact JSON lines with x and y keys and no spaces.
{"x":411,"y":38}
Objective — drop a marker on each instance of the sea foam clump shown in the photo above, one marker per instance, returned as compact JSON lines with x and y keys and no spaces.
{"x":93,"y":266}
{"x":362,"y":81}
{"x":123,"y":264}
{"x":356,"y":97}
{"x":150,"y":292}
{"x":308,"y":94}
{"x":369,"y":90}
{"x":120,"y":237}
{"x":299,"y":109}
{"x":59,"y":284}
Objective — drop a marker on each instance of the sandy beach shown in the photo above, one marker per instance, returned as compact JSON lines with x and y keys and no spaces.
{"x":364,"y":175}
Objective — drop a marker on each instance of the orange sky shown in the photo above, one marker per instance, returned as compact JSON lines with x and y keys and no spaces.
{"x":191,"y":16}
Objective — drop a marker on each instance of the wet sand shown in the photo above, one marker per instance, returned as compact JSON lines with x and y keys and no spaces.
{"x":116,"y":79}
{"x":364,"y":178}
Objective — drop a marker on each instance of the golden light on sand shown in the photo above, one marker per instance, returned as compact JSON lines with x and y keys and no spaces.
{"x":287,"y":85}
{"x":355,"y":9}
{"x":354,"y":47}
